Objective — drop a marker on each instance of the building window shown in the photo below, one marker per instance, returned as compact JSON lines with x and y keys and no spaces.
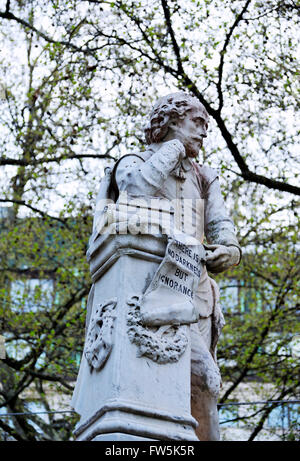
{"x":228,"y":415}
{"x":229,"y":295}
{"x":31,"y":295}
{"x":285,"y":416}
{"x":238,"y":297}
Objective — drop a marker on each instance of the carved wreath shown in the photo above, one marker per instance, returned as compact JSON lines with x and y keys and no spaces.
{"x":163,"y":344}
{"x":99,"y":340}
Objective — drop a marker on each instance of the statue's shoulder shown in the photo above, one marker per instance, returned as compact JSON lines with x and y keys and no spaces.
{"x":109,"y":181}
{"x":128,"y":159}
{"x":206,"y":172}
{"x":206,"y":175}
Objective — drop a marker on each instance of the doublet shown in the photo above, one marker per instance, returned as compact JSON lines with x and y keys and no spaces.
{"x":195,"y":192}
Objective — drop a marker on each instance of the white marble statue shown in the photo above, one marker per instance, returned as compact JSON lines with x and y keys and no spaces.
{"x":167,"y":171}
{"x":178,"y":125}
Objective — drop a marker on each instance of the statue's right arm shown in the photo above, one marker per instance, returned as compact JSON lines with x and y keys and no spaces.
{"x":145,"y":178}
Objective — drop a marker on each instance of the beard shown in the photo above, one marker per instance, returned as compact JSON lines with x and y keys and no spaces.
{"x":192,"y":148}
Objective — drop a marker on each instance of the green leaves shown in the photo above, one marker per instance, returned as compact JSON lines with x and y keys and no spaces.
{"x":79,"y":85}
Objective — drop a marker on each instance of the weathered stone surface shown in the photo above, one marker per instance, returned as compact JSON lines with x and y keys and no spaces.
{"x":99,"y":339}
{"x":126,"y":395}
{"x":154,"y":315}
{"x":165,"y":344}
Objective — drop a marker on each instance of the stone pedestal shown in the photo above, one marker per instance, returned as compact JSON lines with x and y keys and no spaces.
{"x":131,"y":393}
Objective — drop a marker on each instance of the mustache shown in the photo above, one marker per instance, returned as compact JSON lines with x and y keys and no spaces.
{"x":197,"y":138}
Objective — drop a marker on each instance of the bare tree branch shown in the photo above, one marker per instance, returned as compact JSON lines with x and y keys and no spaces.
{"x":10,"y":16}
{"x":22,"y":162}
{"x":172,"y":35}
{"x":264,"y":333}
{"x":246,"y":173}
{"x":36,"y":210}
{"x":223,"y":52}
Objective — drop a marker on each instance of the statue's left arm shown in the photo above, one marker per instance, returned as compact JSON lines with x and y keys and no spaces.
{"x":219,"y":231}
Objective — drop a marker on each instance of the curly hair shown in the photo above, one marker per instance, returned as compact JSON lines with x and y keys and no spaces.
{"x":171,"y":107}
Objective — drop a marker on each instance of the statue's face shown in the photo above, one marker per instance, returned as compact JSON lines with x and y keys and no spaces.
{"x":191,"y":130}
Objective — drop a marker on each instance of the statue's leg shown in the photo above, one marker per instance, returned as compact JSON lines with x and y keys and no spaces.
{"x":205,"y":383}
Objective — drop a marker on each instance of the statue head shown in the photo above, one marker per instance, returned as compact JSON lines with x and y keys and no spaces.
{"x":178,"y":116}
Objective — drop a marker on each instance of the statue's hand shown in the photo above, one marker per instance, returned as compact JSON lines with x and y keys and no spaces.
{"x":220,"y":257}
{"x":176,"y":146}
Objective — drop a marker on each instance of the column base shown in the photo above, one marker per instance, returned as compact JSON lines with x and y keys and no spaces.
{"x":138,"y":425}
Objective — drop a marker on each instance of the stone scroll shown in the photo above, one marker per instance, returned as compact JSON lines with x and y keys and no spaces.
{"x":169,"y":299}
